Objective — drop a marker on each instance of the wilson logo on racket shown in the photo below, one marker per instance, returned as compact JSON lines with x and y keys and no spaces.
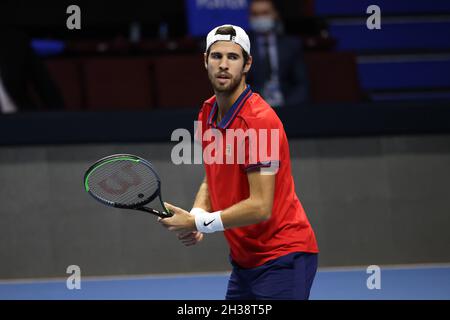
{"x":125,"y":181}
{"x":123,"y":184}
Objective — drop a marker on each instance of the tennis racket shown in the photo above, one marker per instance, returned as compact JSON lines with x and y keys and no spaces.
{"x":125,"y":181}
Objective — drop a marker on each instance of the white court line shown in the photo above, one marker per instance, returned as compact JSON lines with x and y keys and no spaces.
{"x":221,"y":273}
{"x":116,"y":277}
{"x":414,"y":266}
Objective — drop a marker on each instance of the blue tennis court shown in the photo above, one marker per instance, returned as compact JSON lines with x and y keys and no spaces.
{"x":397,"y":283}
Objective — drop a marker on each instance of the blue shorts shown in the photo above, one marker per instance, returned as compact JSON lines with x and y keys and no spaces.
{"x":288,"y":277}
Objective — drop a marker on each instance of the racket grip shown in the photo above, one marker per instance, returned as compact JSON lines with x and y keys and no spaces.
{"x":160,"y":214}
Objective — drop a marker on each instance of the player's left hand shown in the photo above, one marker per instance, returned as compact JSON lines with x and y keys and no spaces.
{"x":181,"y":221}
{"x":190,"y":238}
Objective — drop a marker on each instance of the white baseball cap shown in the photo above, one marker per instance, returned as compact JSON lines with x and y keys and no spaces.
{"x":241,"y":37}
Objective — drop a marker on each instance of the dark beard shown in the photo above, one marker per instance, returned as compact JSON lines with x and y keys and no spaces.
{"x":234,"y":84}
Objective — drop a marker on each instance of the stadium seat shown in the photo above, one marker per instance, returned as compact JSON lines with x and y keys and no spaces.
{"x":181,"y":81}
{"x":118,"y":83}
{"x":333,"y":77}
{"x":389,"y":7}
{"x":67,"y":75}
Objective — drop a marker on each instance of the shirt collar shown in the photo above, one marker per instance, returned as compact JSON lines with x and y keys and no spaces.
{"x":231,"y":114}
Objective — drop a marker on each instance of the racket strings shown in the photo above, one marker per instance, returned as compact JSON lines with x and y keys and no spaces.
{"x":124,"y":182}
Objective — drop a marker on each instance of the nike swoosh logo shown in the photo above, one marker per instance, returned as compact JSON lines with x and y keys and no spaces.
{"x":207,"y":224}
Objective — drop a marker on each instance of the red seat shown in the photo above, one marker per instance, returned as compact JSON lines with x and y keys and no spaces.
{"x":118,"y":83}
{"x":333,"y":77}
{"x":66,"y":73}
{"x":307,"y":8}
{"x":181,"y":81}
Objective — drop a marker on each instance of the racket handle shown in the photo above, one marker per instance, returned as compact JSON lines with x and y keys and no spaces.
{"x":160,"y":214}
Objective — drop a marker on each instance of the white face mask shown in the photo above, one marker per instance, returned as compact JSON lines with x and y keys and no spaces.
{"x":262,"y":24}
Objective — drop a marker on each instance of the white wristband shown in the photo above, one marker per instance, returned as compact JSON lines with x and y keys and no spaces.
{"x":207,"y":222}
{"x":194,"y":211}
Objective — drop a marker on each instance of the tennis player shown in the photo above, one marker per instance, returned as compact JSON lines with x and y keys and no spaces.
{"x":273,"y":249}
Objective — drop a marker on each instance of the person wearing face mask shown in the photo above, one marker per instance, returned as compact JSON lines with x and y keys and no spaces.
{"x":278,"y":73}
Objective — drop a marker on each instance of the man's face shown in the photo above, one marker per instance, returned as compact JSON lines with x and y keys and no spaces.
{"x":225,"y":65}
{"x":262,"y":9}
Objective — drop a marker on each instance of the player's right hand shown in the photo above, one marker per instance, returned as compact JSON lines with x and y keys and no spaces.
{"x":190,"y":238}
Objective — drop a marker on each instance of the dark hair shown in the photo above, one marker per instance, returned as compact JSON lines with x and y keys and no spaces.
{"x":229,"y":30}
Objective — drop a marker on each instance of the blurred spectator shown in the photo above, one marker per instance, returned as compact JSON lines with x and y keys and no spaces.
{"x":25,"y":83}
{"x":278,"y":71}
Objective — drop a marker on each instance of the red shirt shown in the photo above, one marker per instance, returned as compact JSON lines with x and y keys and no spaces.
{"x":288,"y":229}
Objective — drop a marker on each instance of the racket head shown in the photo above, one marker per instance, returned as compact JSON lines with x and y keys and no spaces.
{"x":123,"y":181}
